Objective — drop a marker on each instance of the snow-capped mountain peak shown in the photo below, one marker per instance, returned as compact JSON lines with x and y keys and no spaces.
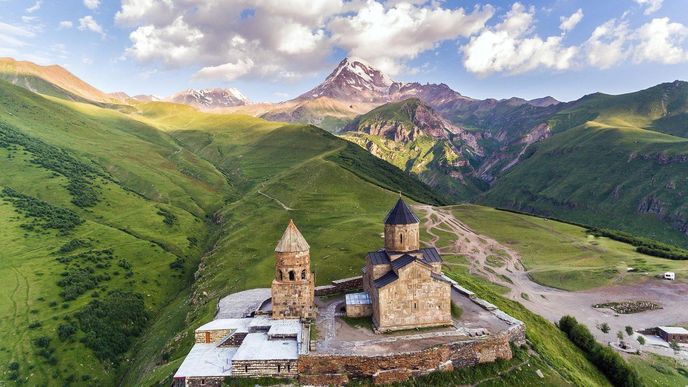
{"x":210,"y":98}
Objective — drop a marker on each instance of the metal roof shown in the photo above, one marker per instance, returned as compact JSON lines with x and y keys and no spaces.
{"x":431,"y":255}
{"x":207,"y":360}
{"x":385,"y":279}
{"x":402,"y":261}
{"x":379,"y":257}
{"x":362,"y":298}
{"x":674,"y":330}
{"x":238,"y":324}
{"x":292,"y":241}
{"x":401,"y":214}
{"x":257,"y":346}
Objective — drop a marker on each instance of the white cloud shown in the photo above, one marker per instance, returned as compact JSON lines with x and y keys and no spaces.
{"x":91,"y":4}
{"x":86,"y":60}
{"x":13,"y":37}
{"x":175,"y":44}
{"x":288,"y":39}
{"x":65,"y":25}
{"x":227,"y":71}
{"x":35,"y":7}
{"x":661,"y":41}
{"x":569,"y":23}
{"x":88,"y":23}
{"x":512,"y":47}
{"x":607,"y":44}
{"x":387,"y":36}
{"x":651,"y":6}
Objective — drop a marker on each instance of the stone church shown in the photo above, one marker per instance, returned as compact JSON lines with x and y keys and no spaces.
{"x":403,"y":282}
{"x":294,"y":285}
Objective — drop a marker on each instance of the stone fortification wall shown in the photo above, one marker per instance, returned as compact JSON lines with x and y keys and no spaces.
{"x":259,"y":368}
{"x":345,"y":285}
{"x":321,"y":369}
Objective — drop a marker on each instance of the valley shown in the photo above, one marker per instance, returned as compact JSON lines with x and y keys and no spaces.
{"x":124,"y":222}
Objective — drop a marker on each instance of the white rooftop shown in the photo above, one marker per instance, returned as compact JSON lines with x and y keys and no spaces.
{"x":207,"y":360}
{"x":358,"y":299}
{"x":674,"y":330}
{"x":239,"y":324}
{"x":256,"y":346}
{"x":290,"y":327}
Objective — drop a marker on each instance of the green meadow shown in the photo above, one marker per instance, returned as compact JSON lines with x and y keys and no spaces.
{"x":562,"y":255}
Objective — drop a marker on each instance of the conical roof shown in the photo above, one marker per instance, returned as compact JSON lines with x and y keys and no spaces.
{"x":292,"y":241}
{"x":401,"y":214}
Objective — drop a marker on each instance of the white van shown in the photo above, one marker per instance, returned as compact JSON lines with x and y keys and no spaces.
{"x":670,"y":275}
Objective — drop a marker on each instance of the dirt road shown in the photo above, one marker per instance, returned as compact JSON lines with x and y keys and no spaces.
{"x":496,"y":262}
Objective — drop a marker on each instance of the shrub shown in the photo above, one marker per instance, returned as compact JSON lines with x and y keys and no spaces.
{"x":35,"y":324}
{"x":42,"y":342}
{"x":14,"y":366}
{"x":44,"y":214}
{"x":629,"y":330}
{"x":111,"y":323}
{"x":66,"y":331}
{"x":604,"y":358}
{"x":604,"y":327}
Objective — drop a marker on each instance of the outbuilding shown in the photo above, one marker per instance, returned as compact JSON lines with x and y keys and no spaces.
{"x":677,"y":334}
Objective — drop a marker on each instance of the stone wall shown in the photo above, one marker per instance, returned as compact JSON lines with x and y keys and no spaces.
{"x":359,"y":310}
{"x":345,"y":285}
{"x":402,"y":237}
{"x":414,"y":300}
{"x":397,"y":367}
{"x":211,"y":336}
{"x":199,"y":382}
{"x":293,"y":286}
{"x":259,"y":368}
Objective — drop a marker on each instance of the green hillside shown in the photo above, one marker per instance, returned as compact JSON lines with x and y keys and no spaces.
{"x":105,"y":218}
{"x":412,"y":136}
{"x":607,"y":173}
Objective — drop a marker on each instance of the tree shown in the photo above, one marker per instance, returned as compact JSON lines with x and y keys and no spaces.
{"x":641,"y":340}
{"x":629,"y":330}
{"x":620,"y":335}
{"x":605,"y":328}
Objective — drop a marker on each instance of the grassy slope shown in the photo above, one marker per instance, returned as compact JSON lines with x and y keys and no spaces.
{"x":197,"y":164}
{"x":424,"y":156}
{"x":148,"y":172}
{"x":610,"y":157}
{"x":563,"y":255}
{"x":620,"y":169}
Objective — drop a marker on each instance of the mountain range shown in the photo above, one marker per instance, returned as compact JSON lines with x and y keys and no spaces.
{"x":125,"y":219}
{"x":526,"y":155}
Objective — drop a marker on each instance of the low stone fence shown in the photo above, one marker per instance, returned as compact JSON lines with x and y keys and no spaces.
{"x":316,"y":369}
{"x":340,"y":286}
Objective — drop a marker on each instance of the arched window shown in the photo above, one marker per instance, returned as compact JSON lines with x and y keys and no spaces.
{"x":291,"y":275}
{"x":303,"y":274}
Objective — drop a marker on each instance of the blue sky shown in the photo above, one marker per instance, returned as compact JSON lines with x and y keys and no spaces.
{"x":276,"y":49}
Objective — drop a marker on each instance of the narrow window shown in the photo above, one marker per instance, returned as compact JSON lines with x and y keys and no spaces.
{"x":246,"y":368}
{"x":415,"y":306}
{"x":291,"y":275}
{"x":401,"y":238}
{"x":279,"y":368}
{"x":280,"y":274}
{"x":288,"y":367}
{"x":202,"y":382}
{"x":303,"y":274}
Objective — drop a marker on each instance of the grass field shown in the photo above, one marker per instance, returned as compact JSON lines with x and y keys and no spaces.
{"x":562,"y":255}
{"x":659,"y":371}
{"x":185,"y":207}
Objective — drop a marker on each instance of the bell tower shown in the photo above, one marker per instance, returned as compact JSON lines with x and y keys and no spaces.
{"x":401,"y":229}
{"x":294,"y":285}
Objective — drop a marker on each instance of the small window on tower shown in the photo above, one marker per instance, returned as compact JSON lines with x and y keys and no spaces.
{"x":401,"y":238}
{"x":303,"y":274}
{"x":291,"y":275}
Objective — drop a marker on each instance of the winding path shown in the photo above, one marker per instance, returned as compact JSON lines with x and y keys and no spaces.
{"x":553,"y":303}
